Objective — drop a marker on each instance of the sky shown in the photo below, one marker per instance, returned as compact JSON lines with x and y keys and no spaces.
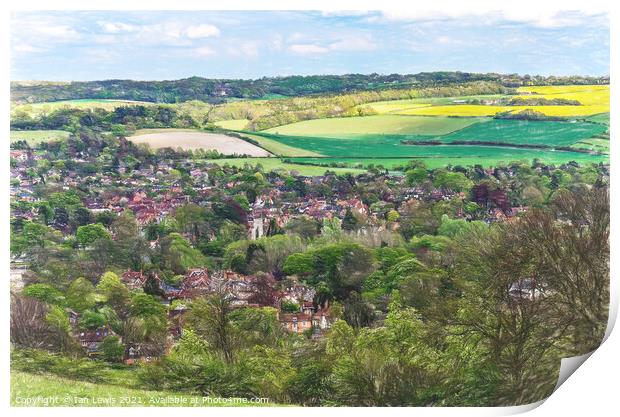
{"x":165,"y":45}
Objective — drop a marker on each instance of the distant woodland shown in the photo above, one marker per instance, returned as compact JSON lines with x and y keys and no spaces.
{"x":221,"y":90}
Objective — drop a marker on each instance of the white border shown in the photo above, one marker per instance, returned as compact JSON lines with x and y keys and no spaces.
{"x":591,"y":390}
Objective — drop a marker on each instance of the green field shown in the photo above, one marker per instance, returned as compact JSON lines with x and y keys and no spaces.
{"x":45,"y":107}
{"x":524,"y":132}
{"x":362,"y":150}
{"x":600,"y":118}
{"x":594,"y":144}
{"x":374,"y":125}
{"x":270,"y":164}
{"x":506,"y":131}
{"x":35,"y":389}
{"x":279,"y":148}
{"x":441,"y":156}
{"x":33,"y":137}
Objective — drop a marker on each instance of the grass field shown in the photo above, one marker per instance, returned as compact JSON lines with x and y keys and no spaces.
{"x":271,"y":164}
{"x":278,"y":148}
{"x":600,"y":118}
{"x":33,"y":137}
{"x":52,"y":391}
{"x":594,"y":144}
{"x":369,"y":125}
{"x":487,"y":156}
{"x":37,"y":108}
{"x":517,"y":132}
{"x":525,"y":132}
{"x":188,"y":139}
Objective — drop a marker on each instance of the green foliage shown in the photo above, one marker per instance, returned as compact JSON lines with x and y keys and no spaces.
{"x":453,"y":228}
{"x":341,"y":267}
{"x":81,"y":295}
{"x":453,"y":181}
{"x":289,"y":307}
{"x":108,"y":282}
{"x":90,"y":320}
{"x":177,"y":255}
{"x":300,"y":264}
{"x":45,"y":293}
{"x":112,"y":349}
{"x":88,"y":234}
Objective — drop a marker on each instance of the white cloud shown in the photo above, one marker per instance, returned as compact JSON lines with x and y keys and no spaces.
{"x":25,"y":48}
{"x":204,"y":51}
{"x":40,"y":33}
{"x":546,"y":18}
{"x":345,"y":43}
{"x":202,"y":31}
{"x":353,"y":43}
{"x":308,"y":49}
{"x":60,"y":32}
{"x":276,"y":43}
{"x":550,"y":19}
{"x":344,"y":13}
{"x":118,"y":27}
{"x":44,"y":30}
{"x":248,"y":49}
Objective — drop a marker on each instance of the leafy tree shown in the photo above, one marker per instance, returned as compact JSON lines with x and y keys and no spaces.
{"x":112,"y":349}
{"x":81,"y":295}
{"x":303,"y":226}
{"x":58,"y":320}
{"x":108,"y":282}
{"x":453,"y":181}
{"x":289,"y":307}
{"x":300,"y":264}
{"x":349,"y":222}
{"x":91,"y":320}
{"x":210,"y":319}
{"x":88,"y":234}
{"x":46,"y":293}
{"x":456,"y":227}
{"x":177,"y":255}
{"x":416,"y":176}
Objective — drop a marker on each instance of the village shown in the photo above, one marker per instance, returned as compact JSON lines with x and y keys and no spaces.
{"x":154,"y":192}
{"x":240,"y":291}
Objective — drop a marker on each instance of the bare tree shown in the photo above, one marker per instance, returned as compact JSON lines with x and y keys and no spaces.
{"x":571,"y":244}
{"x":28,"y":325}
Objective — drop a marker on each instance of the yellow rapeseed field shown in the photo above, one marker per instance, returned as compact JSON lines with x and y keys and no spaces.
{"x":587,"y":95}
{"x":594,"y":100}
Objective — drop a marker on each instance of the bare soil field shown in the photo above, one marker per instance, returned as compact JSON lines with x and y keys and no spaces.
{"x":188,"y":139}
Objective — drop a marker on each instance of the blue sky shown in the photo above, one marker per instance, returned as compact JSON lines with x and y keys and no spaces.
{"x":149,"y":45}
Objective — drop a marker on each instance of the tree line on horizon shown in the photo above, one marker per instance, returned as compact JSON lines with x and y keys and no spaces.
{"x":220,"y":90}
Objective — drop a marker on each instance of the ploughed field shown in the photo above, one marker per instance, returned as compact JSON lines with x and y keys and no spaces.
{"x":192,"y":139}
